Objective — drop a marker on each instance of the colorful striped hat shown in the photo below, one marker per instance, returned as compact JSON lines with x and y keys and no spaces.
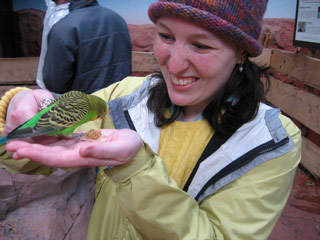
{"x":238,"y":20}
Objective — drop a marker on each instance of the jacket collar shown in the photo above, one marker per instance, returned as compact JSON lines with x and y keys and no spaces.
{"x":76,"y":4}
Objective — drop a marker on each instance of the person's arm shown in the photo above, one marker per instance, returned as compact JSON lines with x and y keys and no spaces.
{"x":25,"y":105}
{"x":246,"y":209}
{"x":22,"y":106}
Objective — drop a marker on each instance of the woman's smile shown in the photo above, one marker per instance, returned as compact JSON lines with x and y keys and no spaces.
{"x":182,"y":83}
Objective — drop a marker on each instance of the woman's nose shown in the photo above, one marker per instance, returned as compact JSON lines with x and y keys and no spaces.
{"x":178,"y":59}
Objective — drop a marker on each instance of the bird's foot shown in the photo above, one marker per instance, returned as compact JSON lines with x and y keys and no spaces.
{"x":45,"y":103}
{"x":76,"y":135}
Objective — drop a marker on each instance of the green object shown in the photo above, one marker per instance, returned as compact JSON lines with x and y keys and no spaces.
{"x":61,"y":117}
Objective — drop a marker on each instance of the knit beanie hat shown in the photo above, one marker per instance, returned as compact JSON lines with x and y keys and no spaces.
{"x":238,"y":20}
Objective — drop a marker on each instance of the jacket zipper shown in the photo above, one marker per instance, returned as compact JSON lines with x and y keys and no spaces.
{"x":244,"y":160}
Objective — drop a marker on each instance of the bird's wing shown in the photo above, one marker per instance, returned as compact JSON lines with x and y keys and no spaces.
{"x":64,"y":114}
{"x":66,"y":111}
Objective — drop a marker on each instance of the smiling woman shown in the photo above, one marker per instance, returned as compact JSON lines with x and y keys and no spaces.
{"x":191,"y":147}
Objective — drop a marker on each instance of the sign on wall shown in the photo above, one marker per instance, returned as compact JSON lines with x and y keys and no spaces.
{"x":307,"y":24}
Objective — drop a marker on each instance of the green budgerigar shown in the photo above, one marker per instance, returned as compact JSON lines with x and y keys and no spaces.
{"x":61,"y":117}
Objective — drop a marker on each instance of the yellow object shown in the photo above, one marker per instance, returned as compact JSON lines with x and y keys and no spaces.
{"x":4,"y":102}
{"x":179,"y":150}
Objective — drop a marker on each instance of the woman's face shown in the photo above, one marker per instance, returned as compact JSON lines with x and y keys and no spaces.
{"x":195,"y":62}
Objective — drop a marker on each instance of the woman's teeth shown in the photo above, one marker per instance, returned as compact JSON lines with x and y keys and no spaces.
{"x":182,"y":82}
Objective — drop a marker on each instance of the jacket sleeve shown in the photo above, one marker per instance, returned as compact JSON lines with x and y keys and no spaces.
{"x":248,"y":208}
{"x":59,"y":63}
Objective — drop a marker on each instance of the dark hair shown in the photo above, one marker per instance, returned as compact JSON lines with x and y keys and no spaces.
{"x":235,"y":104}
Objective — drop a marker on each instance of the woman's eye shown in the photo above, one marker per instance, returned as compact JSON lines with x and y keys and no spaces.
{"x":201,"y":46}
{"x":165,"y":36}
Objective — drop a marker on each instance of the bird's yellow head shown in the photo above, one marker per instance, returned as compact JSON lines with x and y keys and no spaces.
{"x":101,"y":108}
{"x":102,"y":115}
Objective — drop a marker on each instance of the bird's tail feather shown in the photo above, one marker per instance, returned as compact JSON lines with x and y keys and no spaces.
{"x":3,"y":140}
{"x":28,"y":132}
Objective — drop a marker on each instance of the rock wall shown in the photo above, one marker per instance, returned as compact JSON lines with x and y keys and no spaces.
{"x":276,"y":33}
{"x":30,"y":23}
{"x":47,"y":208}
{"x":142,"y":37}
{"x":31,"y":26}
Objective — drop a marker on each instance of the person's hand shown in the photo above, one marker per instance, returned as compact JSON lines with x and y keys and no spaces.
{"x":119,"y":148}
{"x":23,"y":106}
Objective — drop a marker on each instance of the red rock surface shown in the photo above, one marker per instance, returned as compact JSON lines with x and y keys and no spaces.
{"x":47,"y":208}
{"x":31,"y":25}
{"x":300,"y":219}
{"x":142,"y":37}
{"x":281,"y":32}
{"x":278,"y":32}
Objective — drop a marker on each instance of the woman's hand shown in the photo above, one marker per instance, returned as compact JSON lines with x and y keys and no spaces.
{"x":119,"y":148}
{"x":23,"y":106}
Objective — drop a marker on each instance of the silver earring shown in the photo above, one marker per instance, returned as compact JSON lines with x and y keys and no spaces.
{"x":241,"y":67}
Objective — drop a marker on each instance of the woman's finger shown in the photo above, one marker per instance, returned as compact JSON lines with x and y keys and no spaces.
{"x":14,"y":146}
{"x":60,"y":159}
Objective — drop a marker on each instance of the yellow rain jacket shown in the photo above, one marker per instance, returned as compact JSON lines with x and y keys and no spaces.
{"x":236,"y":190}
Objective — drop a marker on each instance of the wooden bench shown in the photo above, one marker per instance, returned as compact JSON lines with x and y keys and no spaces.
{"x":23,"y":71}
{"x":301,"y":104}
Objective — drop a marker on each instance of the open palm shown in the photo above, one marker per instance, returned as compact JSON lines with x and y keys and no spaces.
{"x":120,"y":147}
